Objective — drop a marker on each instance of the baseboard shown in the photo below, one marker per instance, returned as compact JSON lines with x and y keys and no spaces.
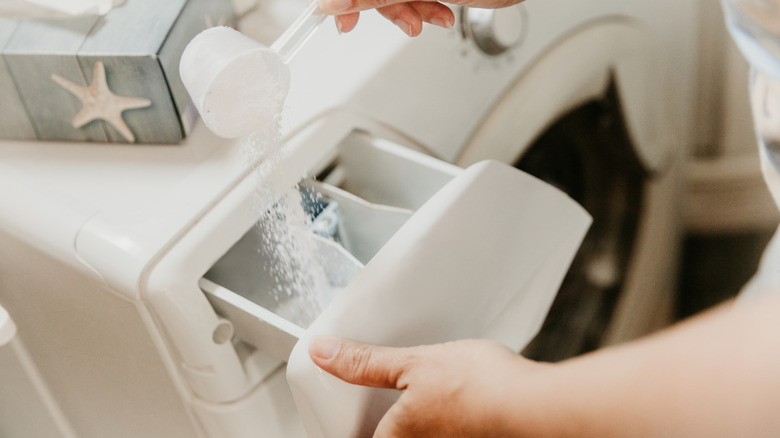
{"x":728,"y":195}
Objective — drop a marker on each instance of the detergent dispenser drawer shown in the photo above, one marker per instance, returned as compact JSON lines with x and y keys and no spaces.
{"x":482,"y":258}
{"x":444,"y":250}
{"x":361,"y":199}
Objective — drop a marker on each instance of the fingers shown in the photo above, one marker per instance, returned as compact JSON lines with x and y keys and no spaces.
{"x":346,"y":22}
{"x":345,"y":6}
{"x":404,"y":16}
{"x":379,"y":367}
{"x":335,"y":7}
{"x":407,"y":15}
{"x":435,"y":13}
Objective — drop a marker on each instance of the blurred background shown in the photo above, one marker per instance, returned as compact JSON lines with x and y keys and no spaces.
{"x":729,"y":214}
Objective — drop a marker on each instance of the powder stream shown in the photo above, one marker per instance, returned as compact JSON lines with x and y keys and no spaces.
{"x":300,"y":280}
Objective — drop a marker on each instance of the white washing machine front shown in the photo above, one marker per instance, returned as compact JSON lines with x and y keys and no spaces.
{"x":503,"y":83}
{"x":120,"y":312}
{"x":610,"y":135}
{"x":436,"y":90}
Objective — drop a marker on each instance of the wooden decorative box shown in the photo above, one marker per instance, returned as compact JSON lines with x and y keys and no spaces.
{"x":113,"y":78}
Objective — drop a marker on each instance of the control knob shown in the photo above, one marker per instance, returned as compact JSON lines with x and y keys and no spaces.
{"x":495,"y":31}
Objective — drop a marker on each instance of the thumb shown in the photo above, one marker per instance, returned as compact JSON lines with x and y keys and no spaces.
{"x":360,"y":364}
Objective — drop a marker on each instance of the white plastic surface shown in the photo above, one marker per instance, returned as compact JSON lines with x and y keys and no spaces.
{"x":237,"y":84}
{"x":493,"y":239}
{"x":125,"y":207}
{"x":508,"y":26}
{"x":31,"y":412}
{"x":55,"y":8}
{"x":272,"y":328}
{"x":288,"y":44}
{"x":617,"y":50}
{"x":7,"y":327}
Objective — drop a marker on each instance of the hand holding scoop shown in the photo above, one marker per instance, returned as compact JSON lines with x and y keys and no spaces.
{"x":237,"y":84}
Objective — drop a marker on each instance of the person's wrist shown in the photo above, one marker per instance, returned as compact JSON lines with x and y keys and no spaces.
{"x":527,"y":405}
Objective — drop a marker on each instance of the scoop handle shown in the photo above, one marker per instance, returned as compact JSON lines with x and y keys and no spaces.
{"x":287,"y":45}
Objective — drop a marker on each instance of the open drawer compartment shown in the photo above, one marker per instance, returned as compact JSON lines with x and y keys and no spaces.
{"x":421,"y":251}
{"x":366,"y":193}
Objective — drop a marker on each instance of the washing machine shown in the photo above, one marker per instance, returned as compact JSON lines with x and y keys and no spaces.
{"x":121,"y":266}
{"x":594,"y":97}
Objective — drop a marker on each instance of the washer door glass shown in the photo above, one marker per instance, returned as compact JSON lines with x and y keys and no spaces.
{"x":587,"y":154}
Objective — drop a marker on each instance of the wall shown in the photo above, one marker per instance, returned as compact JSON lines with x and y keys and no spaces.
{"x":730,"y":215}
{"x":726,"y":190}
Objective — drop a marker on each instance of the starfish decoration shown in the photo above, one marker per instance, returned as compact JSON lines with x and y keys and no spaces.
{"x":99,"y":102}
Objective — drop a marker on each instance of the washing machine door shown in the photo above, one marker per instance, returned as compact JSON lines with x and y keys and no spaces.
{"x":597,"y":116}
{"x":509,"y":240}
{"x":474,"y":253}
{"x":578,"y":69}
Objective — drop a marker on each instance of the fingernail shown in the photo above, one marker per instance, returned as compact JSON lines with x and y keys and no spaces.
{"x":441,"y":23}
{"x":338,"y":24}
{"x":336,"y":5}
{"x":324,"y":347}
{"x":406,"y":27}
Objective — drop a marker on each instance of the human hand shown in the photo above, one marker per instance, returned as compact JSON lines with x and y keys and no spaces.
{"x":461,"y":388}
{"x":408,"y":15}
{"x":765,"y":103}
{"x":765,"y":13}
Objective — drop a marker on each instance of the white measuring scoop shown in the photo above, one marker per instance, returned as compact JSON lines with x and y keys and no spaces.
{"x":237,"y":84}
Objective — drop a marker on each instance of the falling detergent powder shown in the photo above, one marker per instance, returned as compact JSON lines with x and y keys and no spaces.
{"x":300,"y":286}
{"x":239,"y":87}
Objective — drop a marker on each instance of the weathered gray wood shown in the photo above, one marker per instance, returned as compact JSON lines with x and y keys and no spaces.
{"x":37,"y":50}
{"x":139,"y":44}
{"x":14,"y":122}
{"x":139,"y":27}
{"x":127,"y":41}
{"x":141,"y":77}
{"x":196,"y":16}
